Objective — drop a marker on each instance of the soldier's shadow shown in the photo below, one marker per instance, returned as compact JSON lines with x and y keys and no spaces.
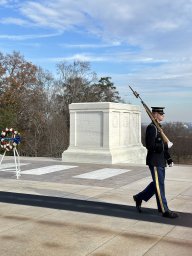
{"x":94,"y":207}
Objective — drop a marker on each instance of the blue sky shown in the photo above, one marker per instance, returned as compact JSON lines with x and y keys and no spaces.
{"x":146,"y":44}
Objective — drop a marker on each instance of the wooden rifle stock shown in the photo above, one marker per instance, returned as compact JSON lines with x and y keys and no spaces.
{"x":164,"y":137}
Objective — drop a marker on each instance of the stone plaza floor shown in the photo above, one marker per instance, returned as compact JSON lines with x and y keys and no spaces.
{"x":70,"y":209}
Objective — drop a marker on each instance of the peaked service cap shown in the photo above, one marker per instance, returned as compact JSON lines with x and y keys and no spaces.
{"x":158,"y":110}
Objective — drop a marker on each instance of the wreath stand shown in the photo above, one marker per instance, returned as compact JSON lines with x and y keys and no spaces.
{"x":10,"y":143}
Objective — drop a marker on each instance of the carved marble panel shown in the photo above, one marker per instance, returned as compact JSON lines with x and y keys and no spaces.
{"x":90,"y":128}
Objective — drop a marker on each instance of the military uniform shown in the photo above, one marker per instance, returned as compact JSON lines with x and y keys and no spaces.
{"x":157,"y":159}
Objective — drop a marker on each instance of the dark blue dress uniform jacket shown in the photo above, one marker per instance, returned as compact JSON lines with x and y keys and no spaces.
{"x":157,"y":154}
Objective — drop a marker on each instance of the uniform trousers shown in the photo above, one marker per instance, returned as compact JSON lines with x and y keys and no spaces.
{"x":156,"y":187}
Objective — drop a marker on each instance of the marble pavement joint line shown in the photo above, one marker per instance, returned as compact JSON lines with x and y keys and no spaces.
{"x":159,"y":240}
{"x":101,"y":174}
{"x":48,"y":169}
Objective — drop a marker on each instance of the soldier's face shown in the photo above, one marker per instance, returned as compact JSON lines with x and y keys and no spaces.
{"x":160,"y":117}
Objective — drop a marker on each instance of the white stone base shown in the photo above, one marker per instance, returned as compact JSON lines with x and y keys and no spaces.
{"x":105,"y":132}
{"x":132,"y":154}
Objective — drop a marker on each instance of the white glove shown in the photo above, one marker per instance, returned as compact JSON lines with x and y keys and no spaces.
{"x":170,"y":144}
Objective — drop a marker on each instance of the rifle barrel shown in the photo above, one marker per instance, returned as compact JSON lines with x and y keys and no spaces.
{"x":165,"y":139}
{"x":134,"y":92}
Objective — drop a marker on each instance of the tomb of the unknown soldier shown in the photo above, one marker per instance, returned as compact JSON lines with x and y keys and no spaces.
{"x":105,"y":132}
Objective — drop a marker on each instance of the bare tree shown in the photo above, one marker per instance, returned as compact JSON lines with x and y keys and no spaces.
{"x":23,"y":100}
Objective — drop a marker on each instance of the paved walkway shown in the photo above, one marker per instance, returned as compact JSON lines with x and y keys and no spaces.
{"x":69,"y":209}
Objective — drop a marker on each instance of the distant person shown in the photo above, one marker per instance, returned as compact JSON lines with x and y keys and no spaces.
{"x":157,"y":159}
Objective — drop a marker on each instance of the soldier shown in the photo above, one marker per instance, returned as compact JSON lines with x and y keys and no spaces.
{"x":157,"y":159}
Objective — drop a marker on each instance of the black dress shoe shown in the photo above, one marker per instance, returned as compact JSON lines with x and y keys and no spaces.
{"x":138,"y":203}
{"x":170,"y":214}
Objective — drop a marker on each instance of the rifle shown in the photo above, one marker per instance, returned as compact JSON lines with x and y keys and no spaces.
{"x":164,"y":137}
